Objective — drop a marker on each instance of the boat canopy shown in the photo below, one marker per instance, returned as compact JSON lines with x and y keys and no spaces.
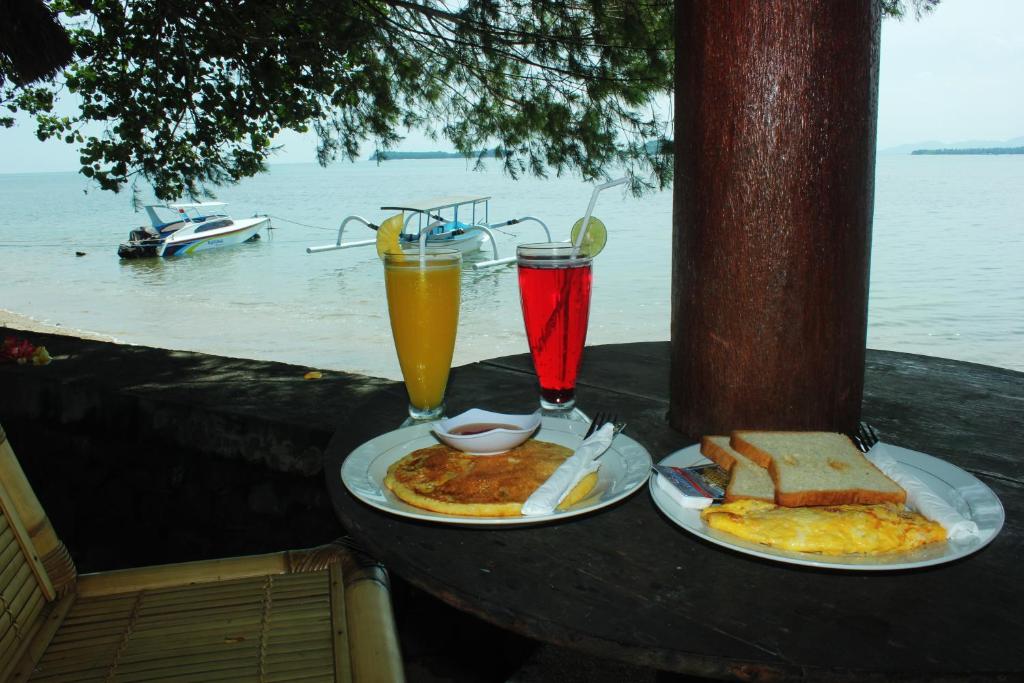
{"x":437,"y":204}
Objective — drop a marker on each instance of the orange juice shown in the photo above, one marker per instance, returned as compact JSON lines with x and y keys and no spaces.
{"x":423,"y":303}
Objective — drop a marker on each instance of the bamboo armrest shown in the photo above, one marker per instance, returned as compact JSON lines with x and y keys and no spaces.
{"x":182,"y":574}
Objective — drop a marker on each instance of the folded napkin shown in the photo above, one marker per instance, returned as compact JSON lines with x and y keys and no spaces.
{"x":922,"y":498}
{"x":546,"y":498}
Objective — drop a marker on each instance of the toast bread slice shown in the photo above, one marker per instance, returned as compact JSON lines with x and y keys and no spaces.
{"x":817,"y":468}
{"x":747,"y":479}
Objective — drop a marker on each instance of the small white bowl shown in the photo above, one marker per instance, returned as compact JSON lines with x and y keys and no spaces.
{"x":490,"y":442}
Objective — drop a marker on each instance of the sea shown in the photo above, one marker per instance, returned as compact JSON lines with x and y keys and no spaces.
{"x":947,"y":264}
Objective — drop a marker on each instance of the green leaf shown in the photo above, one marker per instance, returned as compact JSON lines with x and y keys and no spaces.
{"x":189,"y":95}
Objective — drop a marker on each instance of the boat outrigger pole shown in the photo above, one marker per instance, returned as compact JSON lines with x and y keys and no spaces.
{"x":341,"y":232}
{"x":508,"y":259}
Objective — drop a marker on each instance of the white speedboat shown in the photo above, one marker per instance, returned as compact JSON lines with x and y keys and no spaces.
{"x":192,"y":228}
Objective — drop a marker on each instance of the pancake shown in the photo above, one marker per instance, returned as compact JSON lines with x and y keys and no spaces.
{"x":442,"y":479}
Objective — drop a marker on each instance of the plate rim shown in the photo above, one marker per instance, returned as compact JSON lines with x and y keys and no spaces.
{"x":923,"y":461}
{"x":375,"y":447}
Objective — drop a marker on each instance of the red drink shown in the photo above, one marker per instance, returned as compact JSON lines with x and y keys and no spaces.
{"x":555,"y":292}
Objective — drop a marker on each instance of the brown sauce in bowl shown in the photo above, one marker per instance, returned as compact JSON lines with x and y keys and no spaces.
{"x":480,"y":428}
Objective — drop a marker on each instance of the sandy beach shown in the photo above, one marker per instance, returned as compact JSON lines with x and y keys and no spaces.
{"x":17,"y":321}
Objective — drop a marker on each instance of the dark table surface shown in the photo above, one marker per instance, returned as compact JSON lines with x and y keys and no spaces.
{"x":627,"y":583}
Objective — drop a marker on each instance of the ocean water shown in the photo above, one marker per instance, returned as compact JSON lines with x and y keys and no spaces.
{"x":946,"y":275}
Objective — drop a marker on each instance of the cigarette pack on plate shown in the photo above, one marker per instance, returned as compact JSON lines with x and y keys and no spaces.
{"x":697,"y":486}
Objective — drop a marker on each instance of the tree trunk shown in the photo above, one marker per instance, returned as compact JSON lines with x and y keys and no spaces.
{"x":776,"y":105}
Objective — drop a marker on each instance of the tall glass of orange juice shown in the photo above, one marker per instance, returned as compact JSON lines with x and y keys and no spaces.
{"x":423,"y":293}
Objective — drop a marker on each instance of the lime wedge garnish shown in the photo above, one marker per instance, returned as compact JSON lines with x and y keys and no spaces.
{"x":387,"y":235}
{"x":594,"y":240}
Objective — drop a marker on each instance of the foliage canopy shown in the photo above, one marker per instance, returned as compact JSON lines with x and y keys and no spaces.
{"x":188,"y":94}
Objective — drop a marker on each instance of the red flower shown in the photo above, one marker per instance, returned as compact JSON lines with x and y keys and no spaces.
{"x":22,"y":351}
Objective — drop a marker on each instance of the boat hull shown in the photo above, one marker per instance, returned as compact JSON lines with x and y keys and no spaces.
{"x":467,"y":243}
{"x":239,"y":231}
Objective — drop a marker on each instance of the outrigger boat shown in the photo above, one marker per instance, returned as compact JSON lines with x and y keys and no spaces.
{"x":194,"y":227}
{"x":440,"y":223}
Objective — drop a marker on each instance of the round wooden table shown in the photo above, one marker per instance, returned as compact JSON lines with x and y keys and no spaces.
{"x":626,"y":583}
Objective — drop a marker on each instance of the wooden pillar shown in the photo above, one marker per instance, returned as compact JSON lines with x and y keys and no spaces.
{"x":776,"y":105}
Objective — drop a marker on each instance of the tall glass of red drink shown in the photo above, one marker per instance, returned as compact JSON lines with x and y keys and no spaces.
{"x":554,"y":288}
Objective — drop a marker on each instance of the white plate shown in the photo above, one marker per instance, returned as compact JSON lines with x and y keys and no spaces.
{"x":962,"y":490}
{"x":624,"y":468}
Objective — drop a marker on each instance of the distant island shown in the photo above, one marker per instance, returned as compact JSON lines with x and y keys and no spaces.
{"x":963,"y":146}
{"x":390,"y":156}
{"x":973,"y":150}
{"x":653,"y":147}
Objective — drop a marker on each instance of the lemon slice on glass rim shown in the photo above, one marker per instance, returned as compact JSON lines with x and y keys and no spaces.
{"x":388,"y":233}
{"x":594,"y":240}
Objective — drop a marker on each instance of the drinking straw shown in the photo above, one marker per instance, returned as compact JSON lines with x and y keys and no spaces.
{"x":423,"y":238}
{"x":590,"y":209}
{"x":563,"y":292}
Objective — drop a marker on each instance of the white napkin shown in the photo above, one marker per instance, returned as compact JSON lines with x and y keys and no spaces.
{"x":546,"y":498}
{"x":921,"y":498}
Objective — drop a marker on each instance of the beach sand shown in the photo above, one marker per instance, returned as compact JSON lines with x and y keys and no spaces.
{"x":17,"y":321}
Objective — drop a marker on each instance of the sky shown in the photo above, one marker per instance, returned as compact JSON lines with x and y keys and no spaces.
{"x":953,"y":76}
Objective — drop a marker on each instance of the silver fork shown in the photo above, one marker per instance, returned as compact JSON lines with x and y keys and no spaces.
{"x":600,"y":420}
{"x":865,"y":437}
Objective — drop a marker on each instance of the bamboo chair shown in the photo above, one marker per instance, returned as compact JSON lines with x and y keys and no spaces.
{"x":322,"y":614}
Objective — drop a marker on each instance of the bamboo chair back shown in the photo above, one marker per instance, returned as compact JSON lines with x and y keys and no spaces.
{"x":25,"y":586}
{"x":21,"y":594}
{"x":26,"y":508}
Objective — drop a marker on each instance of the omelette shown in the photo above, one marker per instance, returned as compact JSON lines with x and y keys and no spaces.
{"x":829,"y":530}
{"x":442,"y":479}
